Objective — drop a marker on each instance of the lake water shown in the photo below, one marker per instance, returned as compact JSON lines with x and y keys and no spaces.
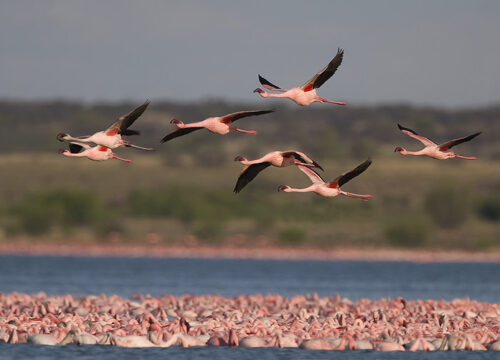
{"x":351,"y":279}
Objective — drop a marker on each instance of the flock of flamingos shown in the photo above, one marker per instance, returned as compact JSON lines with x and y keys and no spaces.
{"x":305,"y":95}
{"x":308,"y":322}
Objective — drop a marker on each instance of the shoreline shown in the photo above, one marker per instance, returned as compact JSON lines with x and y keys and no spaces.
{"x":228,"y":252}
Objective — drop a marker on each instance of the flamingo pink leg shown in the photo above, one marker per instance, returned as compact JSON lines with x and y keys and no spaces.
{"x":333,"y":102}
{"x":119,"y":158}
{"x":251,"y":132}
{"x":466,"y":157}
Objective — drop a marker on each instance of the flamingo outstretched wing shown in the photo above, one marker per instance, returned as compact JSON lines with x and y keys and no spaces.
{"x":300,"y":156}
{"x":268,"y":85}
{"x":248,"y":174}
{"x":449,"y":144}
{"x":324,"y":74}
{"x":229,"y":118}
{"x":349,"y":175}
{"x":414,"y":135}
{"x":76,"y":147}
{"x":311,"y":174}
{"x":179,"y":132}
{"x":121,"y":125}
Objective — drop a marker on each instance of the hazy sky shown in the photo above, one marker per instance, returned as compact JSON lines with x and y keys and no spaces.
{"x":423,"y":52}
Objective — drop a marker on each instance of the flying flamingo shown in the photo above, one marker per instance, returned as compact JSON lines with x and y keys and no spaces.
{"x":96,"y":153}
{"x":306,"y":94}
{"x":276,"y":158}
{"x":217,"y":124}
{"x":439,"y":152}
{"x":112,"y":136}
{"x":332,"y":188}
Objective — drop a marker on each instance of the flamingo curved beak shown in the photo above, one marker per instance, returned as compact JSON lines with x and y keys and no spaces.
{"x":258,"y":90}
{"x":282,"y":188}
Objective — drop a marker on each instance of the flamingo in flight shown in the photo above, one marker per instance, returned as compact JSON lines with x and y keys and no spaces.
{"x":439,"y":152}
{"x":96,"y":153}
{"x":276,"y":158}
{"x":306,"y":94}
{"x":217,"y":124}
{"x":332,"y":188}
{"x":112,"y":136}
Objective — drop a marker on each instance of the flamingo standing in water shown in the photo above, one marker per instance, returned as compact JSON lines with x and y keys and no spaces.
{"x":217,"y":124}
{"x":306,"y":94}
{"x":439,"y":152}
{"x":276,"y":158}
{"x":112,"y":136}
{"x":96,"y":153}
{"x":332,"y":188}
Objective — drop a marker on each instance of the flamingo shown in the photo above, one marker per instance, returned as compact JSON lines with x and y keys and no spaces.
{"x":276,"y":158}
{"x":306,"y":94}
{"x":112,"y":136}
{"x":332,"y":188}
{"x":96,"y":153}
{"x":439,"y":152}
{"x":217,"y":124}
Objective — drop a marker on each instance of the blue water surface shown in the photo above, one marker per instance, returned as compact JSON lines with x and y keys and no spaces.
{"x":351,"y":279}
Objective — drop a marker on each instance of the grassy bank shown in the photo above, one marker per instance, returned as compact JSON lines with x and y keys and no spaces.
{"x":418,"y":203}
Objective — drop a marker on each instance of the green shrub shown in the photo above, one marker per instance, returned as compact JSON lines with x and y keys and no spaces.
{"x":447,"y":205}
{"x":209,"y":230}
{"x":38,"y":211}
{"x":489,"y":208}
{"x":408,"y":231}
{"x":292,"y":236}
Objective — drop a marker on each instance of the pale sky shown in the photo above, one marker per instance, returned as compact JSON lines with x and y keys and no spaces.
{"x":431,"y":52}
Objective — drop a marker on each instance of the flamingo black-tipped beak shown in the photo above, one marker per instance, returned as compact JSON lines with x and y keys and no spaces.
{"x":61,"y":136}
{"x":174,"y":121}
{"x":258,"y":90}
{"x":282,"y":187}
{"x":398,"y":149}
{"x":317,"y":165}
{"x":239,"y":158}
{"x":62,"y":151}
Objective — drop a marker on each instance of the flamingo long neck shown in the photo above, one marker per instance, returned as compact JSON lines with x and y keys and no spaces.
{"x":303,"y":190}
{"x":80,"y":139}
{"x":277,"y":95}
{"x":406,"y":152}
{"x":245,"y":161}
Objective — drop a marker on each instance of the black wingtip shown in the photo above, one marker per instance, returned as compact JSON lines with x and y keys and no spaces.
{"x":128,"y":132}
{"x":318,"y":165}
{"x":401,"y":127}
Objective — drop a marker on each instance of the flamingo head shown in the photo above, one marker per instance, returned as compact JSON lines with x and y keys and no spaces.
{"x":399,"y":149}
{"x":239,"y":158}
{"x":283,"y":188}
{"x":259,"y":90}
{"x":61,"y":136}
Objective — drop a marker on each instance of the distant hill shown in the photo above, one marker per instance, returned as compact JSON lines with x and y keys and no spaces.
{"x":322,"y":130}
